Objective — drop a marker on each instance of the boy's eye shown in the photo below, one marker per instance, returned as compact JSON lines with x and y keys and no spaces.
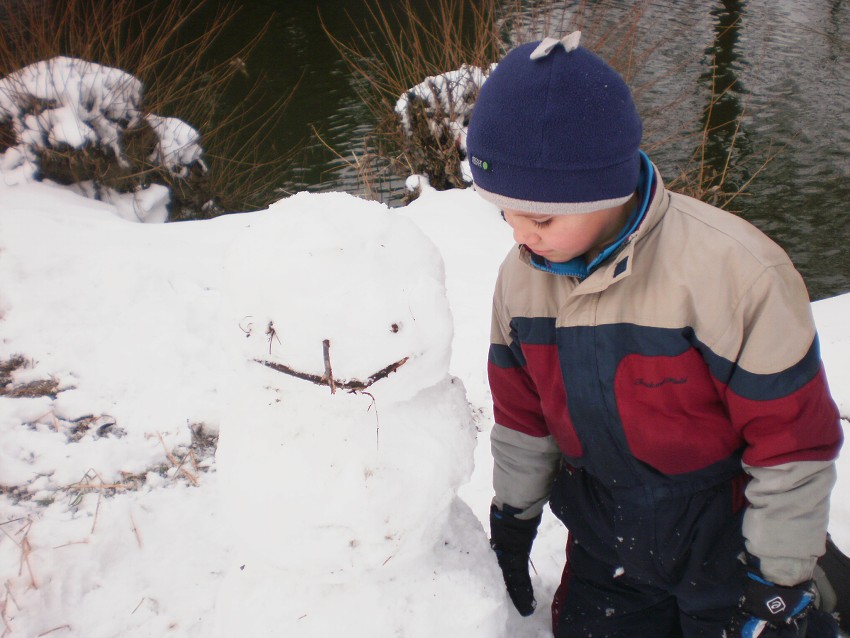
{"x":542,"y":224}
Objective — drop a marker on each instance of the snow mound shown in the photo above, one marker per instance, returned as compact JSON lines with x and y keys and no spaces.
{"x":148,"y":293}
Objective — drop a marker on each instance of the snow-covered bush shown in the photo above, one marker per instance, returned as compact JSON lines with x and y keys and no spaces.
{"x":82,"y":124}
{"x":403,"y":60}
{"x":434,"y":116}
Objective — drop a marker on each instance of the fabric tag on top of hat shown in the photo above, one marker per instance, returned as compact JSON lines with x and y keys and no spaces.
{"x":548,"y":45}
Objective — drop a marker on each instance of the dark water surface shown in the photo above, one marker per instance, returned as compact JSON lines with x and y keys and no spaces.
{"x":788,"y":64}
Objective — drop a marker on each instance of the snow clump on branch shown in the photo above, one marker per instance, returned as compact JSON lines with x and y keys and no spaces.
{"x":446,"y":101}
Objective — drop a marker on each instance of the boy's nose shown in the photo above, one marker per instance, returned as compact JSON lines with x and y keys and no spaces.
{"x":524,"y":236}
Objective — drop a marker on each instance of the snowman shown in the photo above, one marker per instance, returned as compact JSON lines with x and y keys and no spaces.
{"x":344,"y":439}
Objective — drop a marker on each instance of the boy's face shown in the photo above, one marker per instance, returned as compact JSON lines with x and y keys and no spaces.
{"x":561,"y":238}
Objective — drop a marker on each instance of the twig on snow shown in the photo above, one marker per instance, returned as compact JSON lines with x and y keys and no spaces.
{"x":97,"y":508}
{"x":374,"y":404}
{"x":5,"y":606}
{"x":85,"y":541}
{"x":25,"y":547}
{"x":182,"y":470}
{"x":50,"y":631}
{"x":329,"y":373}
{"x":136,"y":530}
{"x":272,"y":333}
{"x":26,"y":550}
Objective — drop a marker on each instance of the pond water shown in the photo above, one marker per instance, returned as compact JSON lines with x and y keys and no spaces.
{"x":787,"y":64}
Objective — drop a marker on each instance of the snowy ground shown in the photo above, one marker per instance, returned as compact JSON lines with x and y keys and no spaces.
{"x":358,"y":513}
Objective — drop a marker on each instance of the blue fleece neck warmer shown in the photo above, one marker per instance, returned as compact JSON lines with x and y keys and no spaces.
{"x":578,"y":267}
{"x":554,"y":131}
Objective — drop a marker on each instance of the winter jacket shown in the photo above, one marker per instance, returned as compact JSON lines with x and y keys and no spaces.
{"x":689,"y":354}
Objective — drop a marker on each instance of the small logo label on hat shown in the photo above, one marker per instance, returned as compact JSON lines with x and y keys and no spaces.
{"x":484,"y":165}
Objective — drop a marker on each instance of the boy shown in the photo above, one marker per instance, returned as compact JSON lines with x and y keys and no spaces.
{"x":655,"y":375}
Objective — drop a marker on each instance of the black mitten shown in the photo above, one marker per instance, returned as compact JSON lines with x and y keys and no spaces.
{"x":768,"y":610}
{"x":821,"y":624}
{"x":511,"y":538}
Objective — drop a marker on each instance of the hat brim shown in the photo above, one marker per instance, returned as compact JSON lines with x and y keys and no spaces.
{"x":553,"y":191}
{"x":549,"y":208}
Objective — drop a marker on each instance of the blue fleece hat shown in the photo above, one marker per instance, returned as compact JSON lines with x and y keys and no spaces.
{"x":554,"y":131}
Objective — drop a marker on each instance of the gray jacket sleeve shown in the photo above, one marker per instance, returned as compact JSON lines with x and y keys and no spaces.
{"x":524,"y":468}
{"x":786,"y":521}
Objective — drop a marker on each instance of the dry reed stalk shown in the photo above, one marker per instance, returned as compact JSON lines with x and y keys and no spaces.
{"x":9,"y":593}
{"x":374,"y":404}
{"x":102,"y":486}
{"x":139,"y":605}
{"x":168,"y":454}
{"x":5,"y":606}
{"x":179,"y":465}
{"x":697,"y":179}
{"x":97,"y":508}
{"x":26,"y":550}
{"x":24,"y":545}
{"x":68,"y":544}
{"x":136,"y":530}
{"x":50,"y":631}
{"x":48,"y":413}
{"x":362,"y":165}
